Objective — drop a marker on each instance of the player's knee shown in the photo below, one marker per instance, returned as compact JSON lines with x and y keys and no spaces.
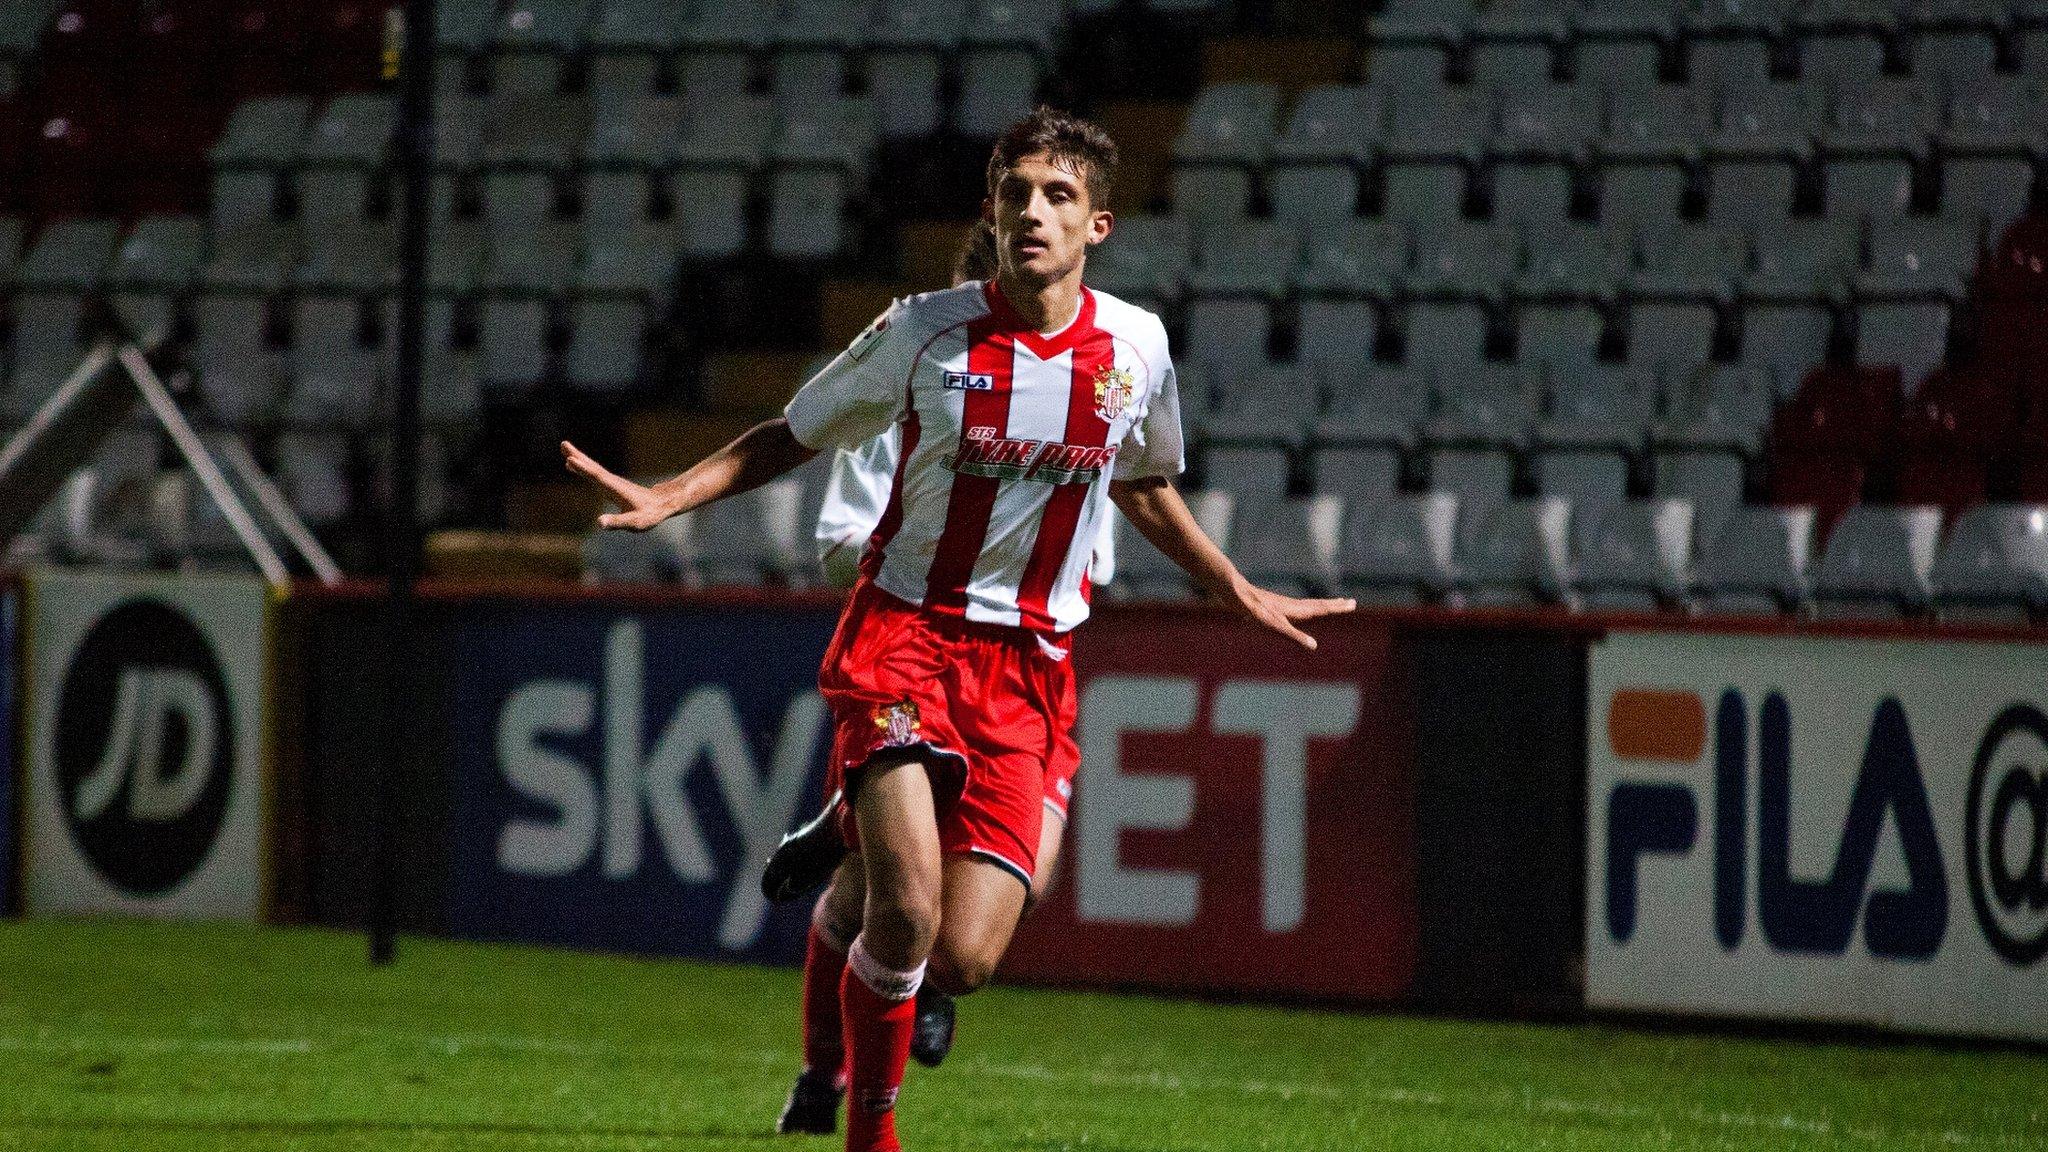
{"x":905,"y":920}
{"x":837,"y":915}
{"x":959,"y":971}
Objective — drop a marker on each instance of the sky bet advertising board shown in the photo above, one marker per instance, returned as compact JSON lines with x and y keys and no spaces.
{"x":621,"y":776}
{"x":1842,"y":830}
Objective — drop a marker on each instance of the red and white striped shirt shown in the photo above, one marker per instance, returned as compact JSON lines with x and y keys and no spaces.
{"x":1010,"y":439}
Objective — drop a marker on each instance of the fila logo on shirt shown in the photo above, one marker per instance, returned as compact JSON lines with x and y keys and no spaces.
{"x":970,"y":381}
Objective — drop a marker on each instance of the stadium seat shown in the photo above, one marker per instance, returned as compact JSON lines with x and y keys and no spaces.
{"x":1232,"y":123}
{"x":1785,"y":339}
{"x":1759,"y":564}
{"x":69,"y":254}
{"x":1804,"y":260}
{"x":1574,"y":262}
{"x":1143,"y":573}
{"x":626,"y":42}
{"x":1728,"y":63}
{"x":1955,"y":425}
{"x":736,"y":134}
{"x":1329,"y":136}
{"x":1248,"y":472}
{"x":1560,"y":337}
{"x":640,"y":131}
{"x":1336,"y":336}
{"x":1912,"y":335}
{"x":1669,"y":336}
{"x":161,"y":253}
{"x":1953,"y":56}
{"x":806,"y":74}
{"x":1145,"y":256}
{"x":1598,"y":406}
{"x":1289,"y":546}
{"x":617,"y":199}
{"x":1719,"y":406}
{"x":1398,"y":549}
{"x":1985,"y":193}
{"x":710,"y":211}
{"x":48,"y":330}
{"x":334,"y":374}
{"x":905,"y":86}
{"x":1992,"y":115}
{"x":1545,"y":121}
{"x":637,"y":261}
{"x":264,"y":133}
{"x":1437,"y":125}
{"x":806,"y":216}
{"x":1384,"y":412}
{"x":1273,"y":404}
{"x":354,"y":130}
{"x":1915,"y":259}
{"x":1436,"y":334}
{"x":749,"y":540}
{"x":1840,"y":57}
{"x":1634,"y":556}
{"x":606,"y":334}
{"x":1709,"y":479}
{"x":1227,"y":333}
{"x":1641,"y":196}
{"x":1628,"y":59}
{"x":997,"y":87}
{"x":1351,"y":258}
{"x":1994,"y":566}
{"x":1690,"y":262}
{"x":1465,"y":261}
{"x":1254,"y":258}
{"x":1878,"y":562}
{"x":1425,"y":197}
{"x":237,"y":375}
{"x":312,"y":472}
{"x":513,"y":343}
{"x":531,"y":258}
{"x":1517,"y":553}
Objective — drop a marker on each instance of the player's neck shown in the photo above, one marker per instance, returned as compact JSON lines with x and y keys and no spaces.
{"x":1045,"y":307}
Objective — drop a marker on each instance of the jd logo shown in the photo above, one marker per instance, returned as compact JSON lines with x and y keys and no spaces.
{"x":1796,"y":914}
{"x":2006,"y":836}
{"x":144,"y":747}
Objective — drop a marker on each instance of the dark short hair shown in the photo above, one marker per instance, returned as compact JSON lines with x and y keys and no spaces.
{"x":1071,"y":141}
{"x":976,"y":259}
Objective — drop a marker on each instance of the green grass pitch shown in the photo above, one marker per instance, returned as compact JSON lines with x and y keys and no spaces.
{"x":129,"y":1036}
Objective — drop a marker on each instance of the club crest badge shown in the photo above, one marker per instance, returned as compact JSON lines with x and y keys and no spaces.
{"x":1113,"y":391}
{"x":898,"y":723}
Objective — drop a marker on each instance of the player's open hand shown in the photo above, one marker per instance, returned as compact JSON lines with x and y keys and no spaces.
{"x":643,"y":507}
{"x":1282,"y":613}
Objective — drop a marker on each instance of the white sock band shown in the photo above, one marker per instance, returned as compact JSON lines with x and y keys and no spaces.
{"x":883,"y":981}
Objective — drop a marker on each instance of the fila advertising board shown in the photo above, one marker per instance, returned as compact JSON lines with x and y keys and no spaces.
{"x":145,"y":722}
{"x":1243,"y":817}
{"x":1818,"y":829}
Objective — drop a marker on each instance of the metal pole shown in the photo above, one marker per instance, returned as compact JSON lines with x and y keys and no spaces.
{"x":415,"y":147}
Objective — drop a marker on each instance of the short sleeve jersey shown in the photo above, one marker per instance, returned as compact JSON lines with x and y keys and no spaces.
{"x":1009,"y":439}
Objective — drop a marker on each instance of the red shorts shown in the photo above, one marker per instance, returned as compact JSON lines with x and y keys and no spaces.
{"x":990,"y":708}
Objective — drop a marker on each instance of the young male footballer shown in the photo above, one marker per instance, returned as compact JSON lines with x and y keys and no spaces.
{"x":1024,"y":405}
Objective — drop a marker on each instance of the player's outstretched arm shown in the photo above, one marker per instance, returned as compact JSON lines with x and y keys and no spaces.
{"x":1154,"y":506}
{"x":762,"y":453}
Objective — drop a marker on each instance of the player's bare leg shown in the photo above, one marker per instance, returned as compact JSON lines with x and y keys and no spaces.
{"x":813,"y":1105}
{"x":1049,"y":835}
{"x":982,"y":903}
{"x":899,"y":837}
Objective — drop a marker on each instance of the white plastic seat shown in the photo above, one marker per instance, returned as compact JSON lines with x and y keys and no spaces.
{"x":1287,"y":545}
{"x":997,"y":87}
{"x":1439,"y":334}
{"x":1759,"y":564}
{"x":1710,"y":479}
{"x":1912,"y":335}
{"x":1635,"y":555}
{"x":1399,"y":549}
{"x":1350,"y":258}
{"x":1669,"y":336}
{"x":335,"y":377}
{"x":1336,"y":336}
{"x":1424,"y":197}
{"x":1559,"y":336}
{"x":710,"y":211}
{"x":1994,"y":565}
{"x":1785,"y":339}
{"x":1248,"y":472}
{"x":1518,"y":553}
{"x":1878,"y":562}
{"x":1231,"y":123}
{"x":512,"y":339}
{"x":807,"y":213}
{"x":1228,"y":333}
{"x":1144,"y":256}
{"x":1723,"y":407}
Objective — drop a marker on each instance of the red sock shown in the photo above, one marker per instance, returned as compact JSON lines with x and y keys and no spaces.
{"x":878,"y":1028}
{"x":824,"y":1042}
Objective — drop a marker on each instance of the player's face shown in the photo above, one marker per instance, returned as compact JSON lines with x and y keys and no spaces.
{"x":1044,"y":221}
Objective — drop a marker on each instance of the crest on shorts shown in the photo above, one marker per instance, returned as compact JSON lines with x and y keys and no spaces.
{"x":1113,"y":390}
{"x":898,"y":722}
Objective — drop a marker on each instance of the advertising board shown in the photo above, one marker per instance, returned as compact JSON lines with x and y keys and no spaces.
{"x":1819,"y":829}
{"x":620,"y":775}
{"x":1242,"y":819}
{"x":145,"y":706}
